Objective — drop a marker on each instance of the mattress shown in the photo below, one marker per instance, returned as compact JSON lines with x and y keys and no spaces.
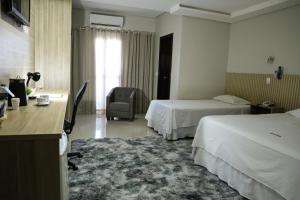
{"x":263,"y":147}
{"x":179,"y":118}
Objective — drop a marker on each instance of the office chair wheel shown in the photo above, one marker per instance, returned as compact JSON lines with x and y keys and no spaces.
{"x":75,"y":168}
{"x":72,"y":166}
{"x":75,"y":154}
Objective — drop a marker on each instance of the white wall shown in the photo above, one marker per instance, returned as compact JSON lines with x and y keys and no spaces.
{"x":81,"y":18}
{"x":203,"y":62}
{"x":78,"y":18}
{"x":199,"y":60}
{"x":16,"y":48}
{"x":166,"y":24}
{"x":139,"y":23}
{"x":275,"y":34}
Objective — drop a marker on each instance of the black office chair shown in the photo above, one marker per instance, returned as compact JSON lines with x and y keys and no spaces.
{"x":68,"y":126}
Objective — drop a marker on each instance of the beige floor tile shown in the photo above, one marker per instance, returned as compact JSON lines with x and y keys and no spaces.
{"x":96,"y":126}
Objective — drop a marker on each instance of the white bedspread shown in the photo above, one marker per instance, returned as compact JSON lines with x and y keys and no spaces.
{"x":264,"y":147}
{"x":167,"y":116}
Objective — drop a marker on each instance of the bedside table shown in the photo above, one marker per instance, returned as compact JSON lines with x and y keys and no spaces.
{"x":259,"y":109}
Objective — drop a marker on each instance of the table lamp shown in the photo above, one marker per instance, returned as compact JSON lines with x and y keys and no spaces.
{"x":34,"y":76}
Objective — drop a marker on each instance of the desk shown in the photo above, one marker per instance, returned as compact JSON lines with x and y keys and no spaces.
{"x":30,"y":164}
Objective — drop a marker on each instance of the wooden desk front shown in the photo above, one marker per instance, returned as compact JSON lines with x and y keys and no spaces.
{"x":29,"y":144}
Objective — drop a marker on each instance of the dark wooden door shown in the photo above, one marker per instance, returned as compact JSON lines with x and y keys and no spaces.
{"x":164,"y":67}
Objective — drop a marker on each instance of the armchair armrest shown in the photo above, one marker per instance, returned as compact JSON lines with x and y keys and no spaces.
{"x":132,"y":94}
{"x":131,"y":100}
{"x":109,"y":97}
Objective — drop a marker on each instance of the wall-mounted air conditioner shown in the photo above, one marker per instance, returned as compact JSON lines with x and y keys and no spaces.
{"x":106,"y":20}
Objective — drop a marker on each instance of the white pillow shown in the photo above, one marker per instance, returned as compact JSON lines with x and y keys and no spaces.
{"x":296,"y":112}
{"x":232,"y":100}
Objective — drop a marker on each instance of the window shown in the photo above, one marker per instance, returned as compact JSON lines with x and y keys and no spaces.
{"x":108,"y":66}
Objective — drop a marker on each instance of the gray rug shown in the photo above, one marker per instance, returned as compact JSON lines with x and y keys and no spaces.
{"x":145,"y":168}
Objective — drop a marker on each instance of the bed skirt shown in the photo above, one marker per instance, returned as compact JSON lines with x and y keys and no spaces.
{"x":245,"y":185}
{"x":183,"y":132}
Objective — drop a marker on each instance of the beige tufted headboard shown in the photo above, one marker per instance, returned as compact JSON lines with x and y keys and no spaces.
{"x":253,"y":87}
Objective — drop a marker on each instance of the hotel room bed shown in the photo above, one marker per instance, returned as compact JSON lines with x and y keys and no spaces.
{"x":176,"y":119}
{"x":258,"y":155}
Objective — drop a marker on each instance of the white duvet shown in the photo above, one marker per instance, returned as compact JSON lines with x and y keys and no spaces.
{"x":167,"y":116}
{"x":264,"y":147}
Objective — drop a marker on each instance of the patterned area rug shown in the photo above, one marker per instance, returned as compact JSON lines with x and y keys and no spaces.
{"x":144,"y":168}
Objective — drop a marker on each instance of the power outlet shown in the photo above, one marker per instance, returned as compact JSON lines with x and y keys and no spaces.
{"x":268,"y":80}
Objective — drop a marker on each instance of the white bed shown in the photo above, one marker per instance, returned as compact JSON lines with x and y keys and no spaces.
{"x":258,"y":155}
{"x":179,"y":118}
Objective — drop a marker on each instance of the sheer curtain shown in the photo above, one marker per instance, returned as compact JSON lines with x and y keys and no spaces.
{"x":108,"y":64}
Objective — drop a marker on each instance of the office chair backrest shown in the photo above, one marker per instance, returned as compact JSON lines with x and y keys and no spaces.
{"x":77,"y":100}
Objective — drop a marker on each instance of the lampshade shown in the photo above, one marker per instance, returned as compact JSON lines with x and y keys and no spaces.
{"x":34,"y":76}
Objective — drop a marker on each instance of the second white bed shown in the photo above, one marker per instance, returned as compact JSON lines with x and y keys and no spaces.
{"x":179,"y":118}
{"x":259,"y":155}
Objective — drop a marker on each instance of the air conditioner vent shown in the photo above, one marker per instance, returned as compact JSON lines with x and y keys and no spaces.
{"x":106,"y":20}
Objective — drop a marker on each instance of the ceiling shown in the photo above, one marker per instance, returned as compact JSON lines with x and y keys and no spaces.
{"x":220,"y":10}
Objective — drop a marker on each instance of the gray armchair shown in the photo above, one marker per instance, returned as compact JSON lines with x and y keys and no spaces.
{"x":120,"y":102}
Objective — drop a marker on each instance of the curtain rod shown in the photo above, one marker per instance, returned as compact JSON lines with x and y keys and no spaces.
{"x":109,"y":29}
{"x":88,"y":27}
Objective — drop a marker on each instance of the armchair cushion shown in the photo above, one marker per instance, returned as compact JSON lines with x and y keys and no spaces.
{"x":122,"y":94}
{"x":119,"y":106}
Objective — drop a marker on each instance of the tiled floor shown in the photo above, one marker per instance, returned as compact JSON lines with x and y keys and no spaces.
{"x":96,"y":126}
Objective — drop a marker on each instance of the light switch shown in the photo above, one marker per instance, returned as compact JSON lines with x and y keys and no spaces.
{"x":268,"y":81}
{"x":270,"y":59}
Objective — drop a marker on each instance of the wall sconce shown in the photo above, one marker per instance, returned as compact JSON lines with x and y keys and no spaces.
{"x":279,"y":73}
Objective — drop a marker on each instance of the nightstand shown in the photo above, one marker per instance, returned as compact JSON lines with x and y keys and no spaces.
{"x":259,"y":109}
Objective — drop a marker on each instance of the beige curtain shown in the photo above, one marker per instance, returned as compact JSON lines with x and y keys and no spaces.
{"x":83,"y":68}
{"x":137,"y":66}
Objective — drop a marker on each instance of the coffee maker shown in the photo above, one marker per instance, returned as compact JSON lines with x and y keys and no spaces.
{"x":18,"y":88}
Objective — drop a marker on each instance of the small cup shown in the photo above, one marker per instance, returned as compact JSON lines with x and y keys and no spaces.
{"x":45,"y":97}
{"x":41,"y":100}
{"x":15,"y":103}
